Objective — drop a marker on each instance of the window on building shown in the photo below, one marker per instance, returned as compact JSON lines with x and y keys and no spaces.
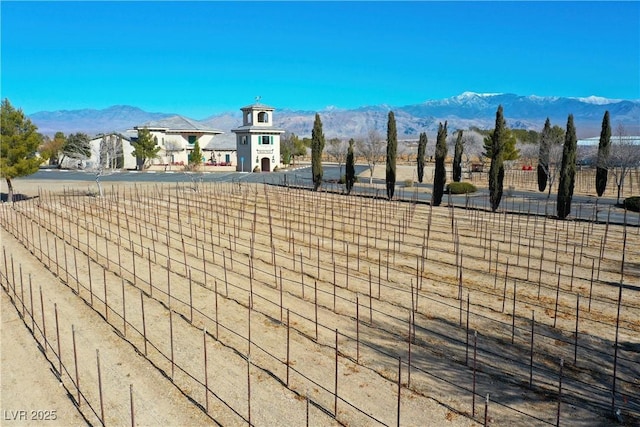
{"x":266,"y":139}
{"x":243,"y":141}
{"x":263,"y":117}
{"x":192,"y":139}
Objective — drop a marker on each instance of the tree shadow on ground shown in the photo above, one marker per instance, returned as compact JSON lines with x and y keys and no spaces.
{"x":16,"y":197}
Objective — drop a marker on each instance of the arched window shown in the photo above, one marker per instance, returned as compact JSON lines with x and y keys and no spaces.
{"x":263,"y":117}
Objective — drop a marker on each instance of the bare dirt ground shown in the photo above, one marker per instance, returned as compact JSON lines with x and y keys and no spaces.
{"x":235,"y":304}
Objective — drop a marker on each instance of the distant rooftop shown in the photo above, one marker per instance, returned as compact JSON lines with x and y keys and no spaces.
{"x":178,"y":123}
{"x":635,"y":140}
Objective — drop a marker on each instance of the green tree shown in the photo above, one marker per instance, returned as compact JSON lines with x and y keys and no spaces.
{"x":526,"y":136}
{"x":291,"y":147}
{"x":392,"y":152}
{"x":604,"y":146}
{"x":568,"y":170}
{"x":77,"y":146}
{"x":317,"y":145}
{"x":457,"y":158}
{"x":51,"y":149}
{"x":285,"y":153}
{"x":195,"y":156}
{"x":440,"y":174}
{"x":350,"y":167}
{"x":19,"y":143}
{"x":497,"y":150}
{"x":145,"y":148}
{"x":422,"y":150}
{"x":557,"y":135}
{"x":543,"y":155}
{"x":508,"y":142}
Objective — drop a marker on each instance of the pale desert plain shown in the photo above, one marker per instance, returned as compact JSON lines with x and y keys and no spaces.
{"x":247,"y":304}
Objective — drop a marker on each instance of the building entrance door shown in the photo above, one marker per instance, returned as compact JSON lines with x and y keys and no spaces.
{"x":265,"y":165}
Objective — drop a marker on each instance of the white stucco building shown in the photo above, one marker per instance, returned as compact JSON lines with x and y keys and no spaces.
{"x":110,"y":150}
{"x":177,"y":136}
{"x":257,"y":141}
{"x":113,"y":150}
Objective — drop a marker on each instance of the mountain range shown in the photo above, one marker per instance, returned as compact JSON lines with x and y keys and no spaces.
{"x":461,"y":112}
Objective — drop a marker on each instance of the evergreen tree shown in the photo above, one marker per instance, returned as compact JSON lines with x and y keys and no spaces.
{"x":568,"y":170}
{"x":457,"y":158}
{"x":77,"y":146}
{"x":422,"y":149}
{"x":508,"y":142}
{"x":602,"y":169}
{"x":392,"y":152}
{"x":145,"y":148}
{"x":440,"y":175}
{"x":496,"y":171}
{"x":350,"y":167}
{"x":543,"y":155}
{"x":195,"y":156}
{"x":19,"y":142}
{"x":317,"y":145}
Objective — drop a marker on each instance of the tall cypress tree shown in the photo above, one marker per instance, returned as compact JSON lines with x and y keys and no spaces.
{"x":543,"y":155}
{"x":496,"y":171}
{"x":457,"y":158}
{"x":422,"y":149}
{"x":350,"y":167}
{"x":602,"y":170}
{"x":568,"y":170}
{"x":392,"y":151}
{"x":317,"y":145}
{"x":440,"y":174}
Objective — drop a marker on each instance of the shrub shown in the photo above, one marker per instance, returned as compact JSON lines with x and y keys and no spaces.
{"x":257,"y":169}
{"x":632,"y":203}
{"x":461,"y":188}
{"x":408,"y":183}
{"x":343,"y":179}
{"x":276,"y":169}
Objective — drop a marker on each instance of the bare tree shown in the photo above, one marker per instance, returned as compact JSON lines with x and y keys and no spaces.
{"x":372,"y":149}
{"x":625,"y":156}
{"x":170,"y":147}
{"x":528,"y":152}
{"x":473,"y":148}
{"x":337,"y":149}
{"x":106,"y":157}
{"x":552,"y":169}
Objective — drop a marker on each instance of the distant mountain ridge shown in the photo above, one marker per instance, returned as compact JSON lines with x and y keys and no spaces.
{"x":115,"y":118}
{"x":461,"y":111}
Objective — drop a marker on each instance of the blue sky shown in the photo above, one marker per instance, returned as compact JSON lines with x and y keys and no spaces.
{"x":203,"y":58}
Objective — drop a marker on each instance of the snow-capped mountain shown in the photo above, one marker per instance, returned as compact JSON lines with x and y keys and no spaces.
{"x":462,"y":111}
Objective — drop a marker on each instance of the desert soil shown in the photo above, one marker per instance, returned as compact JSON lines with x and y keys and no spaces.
{"x":146,"y":281}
